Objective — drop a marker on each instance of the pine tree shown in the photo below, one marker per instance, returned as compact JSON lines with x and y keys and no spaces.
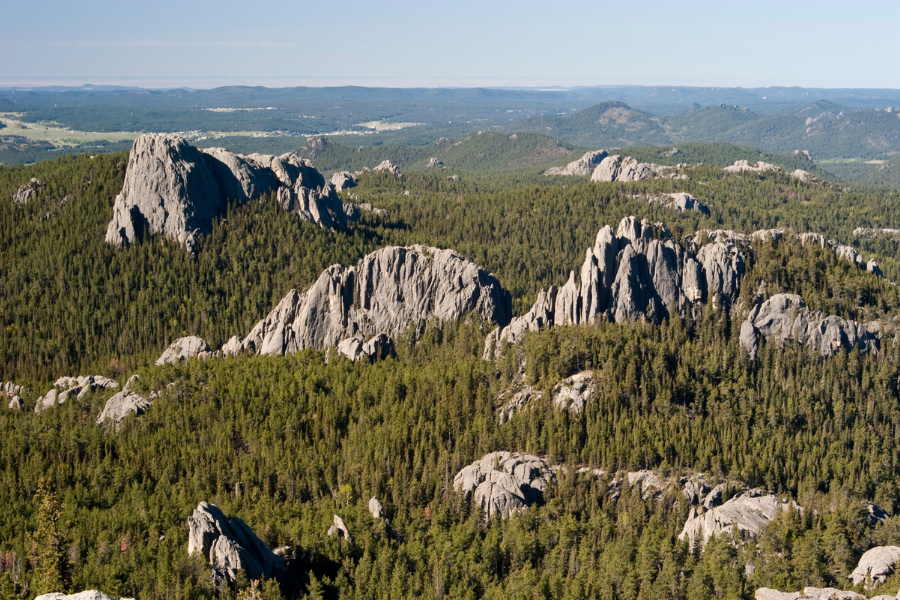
{"x":50,"y":543}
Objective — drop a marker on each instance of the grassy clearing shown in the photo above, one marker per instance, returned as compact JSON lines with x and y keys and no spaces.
{"x":57,"y":134}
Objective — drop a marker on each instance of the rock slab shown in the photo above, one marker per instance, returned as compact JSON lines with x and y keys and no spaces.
{"x":503,"y":483}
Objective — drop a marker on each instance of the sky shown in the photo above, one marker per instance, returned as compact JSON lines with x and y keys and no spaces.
{"x":459,"y":43}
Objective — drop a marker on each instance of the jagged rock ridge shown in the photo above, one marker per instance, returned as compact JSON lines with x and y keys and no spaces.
{"x":631,"y":274}
{"x":124,"y":403}
{"x":176,"y":190}
{"x":749,"y":511}
{"x":384,"y":293}
{"x":229,"y":545}
{"x":72,"y":387}
{"x":183,"y":348}
{"x":618,"y":168}
{"x":583,"y":166}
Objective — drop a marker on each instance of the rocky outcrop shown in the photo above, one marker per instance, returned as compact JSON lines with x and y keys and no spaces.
{"x":502,"y":483}
{"x":514,"y":401}
{"x":175,"y":190}
{"x":811,"y":593}
{"x":582,"y":167}
{"x":27,"y":191}
{"x":875,"y":566}
{"x":183,"y":348}
{"x":376,"y":509}
{"x":679,"y":202}
{"x":72,"y":387}
{"x":785,"y":318}
{"x":86,"y":595}
{"x":749,"y":512}
{"x":740,"y":166}
{"x":433,"y":163}
{"x":869,"y":232}
{"x":229,"y":545}
{"x":389,"y":167}
{"x":343,"y":180}
{"x":10,"y":393}
{"x":125,"y":403}
{"x":339,"y":528}
{"x":376,"y":348}
{"x":801,"y":175}
{"x":385,"y":292}
{"x":574,"y":392}
{"x":631,"y":274}
{"x":618,"y":168}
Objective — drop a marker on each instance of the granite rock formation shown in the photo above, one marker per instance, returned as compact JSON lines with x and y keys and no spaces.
{"x":631,"y":274}
{"x":339,"y":528}
{"x":812,"y":593}
{"x":875,"y":566}
{"x":618,"y":168}
{"x":385,"y":292}
{"x":389,"y":167}
{"x":502,"y":482}
{"x":785,"y":317}
{"x":124,"y":403}
{"x":343,"y":180}
{"x":433,"y":163}
{"x":741,"y":166}
{"x":13,"y":392}
{"x":173,"y":189}
{"x":183,"y":348}
{"x":229,"y":545}
{"x":582,"y":167}
{"x":71,"y":387}
{"x":574,"y":392}
{"x":377,"y":347}
{"x":749,"y":511}
{"x":85,"y":595}
{"x":27,"y":191}
{"x":679,"y":202}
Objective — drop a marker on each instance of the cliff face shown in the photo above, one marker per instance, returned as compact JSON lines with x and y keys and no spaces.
{"x":383,"y":294}
{"x":173,"y":189}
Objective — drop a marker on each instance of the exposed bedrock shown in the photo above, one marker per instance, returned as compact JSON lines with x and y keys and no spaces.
{"x":503,"y":483}
{"x":386,"y":292}
{"x":174,"y":189}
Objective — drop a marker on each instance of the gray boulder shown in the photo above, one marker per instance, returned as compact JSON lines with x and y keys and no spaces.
{"x":343,"y":180}
{"x":875,"y":566}
{"x":502,"y":483}
{"x":229,"y":545}
{"x":12,"y":391}
{"x":582,"y":167}
{"x":376,"y":348}
{"x":125,"y":403}
{"x":679,"y":202}
{"x":574,"y":392}
{"x":385,"y":292}
{"x":173,"y":189}
{"x":376,"y":509}
{"x":339,"y":528}
{"x":183,"y":348}
{"x":741,"y":166}
{"x":433,"y":162}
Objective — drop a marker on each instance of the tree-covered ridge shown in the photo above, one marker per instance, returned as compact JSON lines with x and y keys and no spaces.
{"x":72,"y":304}
{"x":285,"y":442}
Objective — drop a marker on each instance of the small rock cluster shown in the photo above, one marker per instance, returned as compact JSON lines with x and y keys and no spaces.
{"x":27,"y":191}
{"x":679,"y":202}
{"x":72,"y":387}
{"x":125,"y":403}
{"x":184,"y":348}
{"x":13,"y":392}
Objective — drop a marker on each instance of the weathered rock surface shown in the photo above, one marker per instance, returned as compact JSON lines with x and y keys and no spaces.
{"x":125,"y":403}
{"x":785,"y":317}
{"x":749,"y":511}
{"x":741,"y":166}
{"x":574,"y":392}
{"x":86,"y":595}
{"x":801,"y":175}
{"x":631,"y":275}
{"x":390,"y":167}
{"x":581,"y":167}
{"x":13,"y":392}
{"x":679,"y":202}
{"x":71,"y":387}
{"x":869,"y":232}
{"x":229,"y":545}
{"x":183,"y":348}
{"x":433,"y":162}
{"x":503,"y":483}
{"x":875,"y":566}
{"x":385,"y":292}
{"x":343,"y":180}
{"x":376,"y":509}
{"x":618,"y":168}
{"x":810,"y":593}
{"x":339,"y":528}
{"x":376,"y":348}
{"x":173,"y":189}
{"x":514,"y":401}
{"x":28,"y":190}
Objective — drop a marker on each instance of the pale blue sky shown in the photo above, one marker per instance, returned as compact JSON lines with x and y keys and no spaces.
{"x":457,"y":43}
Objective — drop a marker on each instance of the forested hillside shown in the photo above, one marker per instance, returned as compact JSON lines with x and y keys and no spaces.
{"x":288,"y":442}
